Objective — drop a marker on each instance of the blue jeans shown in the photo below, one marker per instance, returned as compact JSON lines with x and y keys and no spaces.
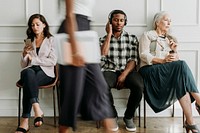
{"x":31,"y":78}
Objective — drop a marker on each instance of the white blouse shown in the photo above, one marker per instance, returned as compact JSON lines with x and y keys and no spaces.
{"x":84,"y":7}
{"x":152,"y":46}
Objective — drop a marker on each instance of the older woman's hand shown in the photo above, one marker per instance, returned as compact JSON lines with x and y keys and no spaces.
{"x":173,"y":45}
{"x":171,"y":57}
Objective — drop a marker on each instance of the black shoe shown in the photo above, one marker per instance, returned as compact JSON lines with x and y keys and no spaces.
{"x":38,"y":119}
{"x":20,"y":129}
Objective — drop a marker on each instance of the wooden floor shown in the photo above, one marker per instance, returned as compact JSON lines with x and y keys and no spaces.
{"x":154,"y":125}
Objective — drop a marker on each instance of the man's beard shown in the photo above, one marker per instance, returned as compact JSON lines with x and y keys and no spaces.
{"x":117,"y":30}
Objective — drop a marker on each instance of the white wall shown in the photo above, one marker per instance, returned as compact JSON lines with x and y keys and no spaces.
{"x":185,"y":17}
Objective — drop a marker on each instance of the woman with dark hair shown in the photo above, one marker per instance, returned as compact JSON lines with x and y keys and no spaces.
{"x":38,"y":61}
{"x":166,"y":77}
{"x":31,"y":34}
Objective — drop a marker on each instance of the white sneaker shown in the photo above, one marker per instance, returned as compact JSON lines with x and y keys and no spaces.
{"x":116,"y":127}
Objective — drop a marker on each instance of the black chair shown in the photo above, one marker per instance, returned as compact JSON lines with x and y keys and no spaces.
{"x":53,"y":85}
{"x":146,"y":117}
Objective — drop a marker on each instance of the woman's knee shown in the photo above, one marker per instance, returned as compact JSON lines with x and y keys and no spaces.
{"x":27,"y":72}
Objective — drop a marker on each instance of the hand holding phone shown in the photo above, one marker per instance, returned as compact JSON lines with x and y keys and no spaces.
{"x":28,"y":46}
{"x":27,"y":41}
{"x":173,"y":56}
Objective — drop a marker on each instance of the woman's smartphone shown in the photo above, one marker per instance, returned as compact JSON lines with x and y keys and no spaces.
{"x":27,"y":41}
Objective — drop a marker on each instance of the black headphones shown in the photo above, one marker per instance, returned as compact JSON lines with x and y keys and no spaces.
{"x":110,"y":16}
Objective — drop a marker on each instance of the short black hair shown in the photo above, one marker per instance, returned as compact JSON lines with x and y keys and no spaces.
{"x":111,"y":14}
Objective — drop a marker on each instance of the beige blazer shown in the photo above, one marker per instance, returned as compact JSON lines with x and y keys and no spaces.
{"x":46,"y":57}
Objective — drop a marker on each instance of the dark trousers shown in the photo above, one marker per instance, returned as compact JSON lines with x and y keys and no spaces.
{"x":134,"y":82}
{"x":83,"y":90}
{"x":31,"y":78}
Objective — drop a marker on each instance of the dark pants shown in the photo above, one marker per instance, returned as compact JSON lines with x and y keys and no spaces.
{"x":83,"y":90}
{"x":134,"y":82}
{"x":31,"y":78}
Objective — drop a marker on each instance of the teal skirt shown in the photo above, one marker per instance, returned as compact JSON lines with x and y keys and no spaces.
{"x":167,"y":83}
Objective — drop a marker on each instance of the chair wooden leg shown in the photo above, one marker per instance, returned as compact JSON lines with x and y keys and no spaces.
{"x":58,"y":98}
{"x":173,"y":115}
{"x":98,"y":124}
{"x":54,"y":106}
{"x":183,"y":119}
{"x":144,"y":114}
{"x":139,"y":111}
{"x":19,"y":106}
{"x":173,"y":110}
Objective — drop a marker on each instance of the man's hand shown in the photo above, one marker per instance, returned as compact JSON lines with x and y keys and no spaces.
{"x":120,"y":81}
{"x":109,"y":28}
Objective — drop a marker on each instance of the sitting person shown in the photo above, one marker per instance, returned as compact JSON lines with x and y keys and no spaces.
{"x":166,"y":77}
{"x":38,"y":61}
{"x":119,"y":60}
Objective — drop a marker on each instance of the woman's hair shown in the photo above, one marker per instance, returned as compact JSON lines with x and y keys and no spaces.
{"x":29,"y":31}
{"x":157,"y":17}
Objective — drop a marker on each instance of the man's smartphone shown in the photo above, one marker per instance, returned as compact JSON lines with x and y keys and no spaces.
{"x":27,"y":41}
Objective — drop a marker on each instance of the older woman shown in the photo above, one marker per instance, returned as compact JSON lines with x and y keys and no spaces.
{"x":166,"y":78}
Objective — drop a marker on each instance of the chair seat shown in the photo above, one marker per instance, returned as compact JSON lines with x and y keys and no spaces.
{"x":53,"y":85}
{"x":50,"y":85}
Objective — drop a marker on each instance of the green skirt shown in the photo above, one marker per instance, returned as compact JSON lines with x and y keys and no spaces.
{"x":165,"y":83}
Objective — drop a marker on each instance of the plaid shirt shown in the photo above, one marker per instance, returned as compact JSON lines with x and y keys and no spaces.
{"x":121,"y":51}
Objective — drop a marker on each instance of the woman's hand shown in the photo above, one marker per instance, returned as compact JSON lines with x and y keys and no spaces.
{"x":171,"y":57}
{"x":78,"y":60}
{"x":173,"y":45}
{"x":29,"y":57}
{"x":27,"y":49}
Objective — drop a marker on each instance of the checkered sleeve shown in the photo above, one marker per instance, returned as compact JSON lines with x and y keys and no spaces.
{"x":103,"y":59}
{"x":134,"y":52}
{"x":101,"y":40}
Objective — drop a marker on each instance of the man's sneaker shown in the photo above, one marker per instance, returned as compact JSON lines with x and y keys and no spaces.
{"x":116,"y":127}
{"x":130,"y":126}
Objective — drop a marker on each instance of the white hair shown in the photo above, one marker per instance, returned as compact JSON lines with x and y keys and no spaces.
{"x":157,"y":17}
